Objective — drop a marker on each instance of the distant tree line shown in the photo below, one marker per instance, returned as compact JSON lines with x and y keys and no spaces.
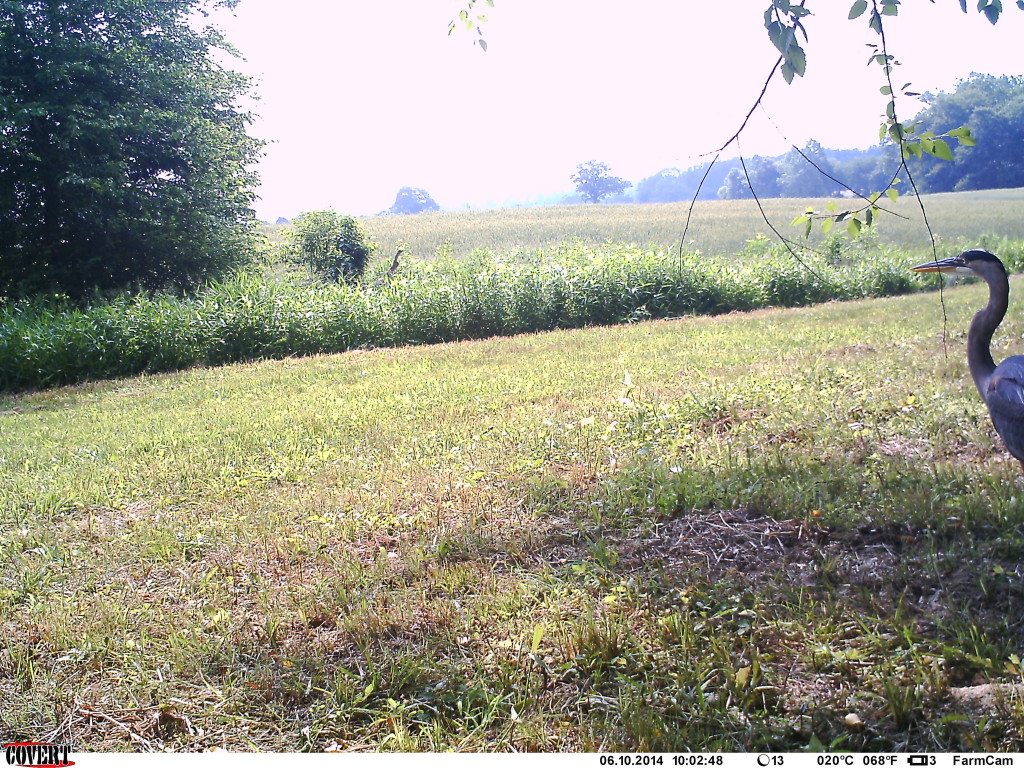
{"x":992,"y":106}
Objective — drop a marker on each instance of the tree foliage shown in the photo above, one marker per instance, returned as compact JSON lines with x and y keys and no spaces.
{"x":413,"y":200}
{"x":762,"y":176}
{"x":994,"y":108}
{"x":333,"y":245}
{"x":671,"y":185}
{"x":123,"y":154}
{"x":469,"y":20}
{"x":594,"y":181}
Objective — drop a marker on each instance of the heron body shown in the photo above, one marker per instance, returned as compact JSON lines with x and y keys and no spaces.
{"x":1000,"y":386}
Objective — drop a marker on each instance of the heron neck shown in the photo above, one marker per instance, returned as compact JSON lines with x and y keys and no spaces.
{"x":984,"y":324}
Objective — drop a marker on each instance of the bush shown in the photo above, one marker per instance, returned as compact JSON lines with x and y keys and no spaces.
{"x":332,"y":245}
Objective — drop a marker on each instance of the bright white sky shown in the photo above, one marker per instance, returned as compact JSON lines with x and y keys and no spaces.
{"x":361,"y":98}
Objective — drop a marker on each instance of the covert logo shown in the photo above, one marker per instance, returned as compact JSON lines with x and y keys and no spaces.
{"x":37,"y":754}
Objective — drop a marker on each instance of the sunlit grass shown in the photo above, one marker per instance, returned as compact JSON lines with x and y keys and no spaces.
{"x":710,"y":533}
{"x":260,"y":315}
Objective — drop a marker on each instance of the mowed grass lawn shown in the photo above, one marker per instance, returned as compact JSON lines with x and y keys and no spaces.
{"x":777,"y":530}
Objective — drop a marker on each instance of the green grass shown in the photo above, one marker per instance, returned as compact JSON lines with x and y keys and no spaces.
{"x":717,"y":227}
{"x":45,"y":343}
{"x":710,"y":533}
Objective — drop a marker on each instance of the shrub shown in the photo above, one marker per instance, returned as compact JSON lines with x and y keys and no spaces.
{"x":331,"y":244}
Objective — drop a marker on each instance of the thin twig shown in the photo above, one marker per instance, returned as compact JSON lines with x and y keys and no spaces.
{"x":757,"y":103}
{"x":910,"y":176}
{"x":132,"y":734}
{"x":843,"y":184}
{"x":786,"y":242}
{"x":693,"y":202}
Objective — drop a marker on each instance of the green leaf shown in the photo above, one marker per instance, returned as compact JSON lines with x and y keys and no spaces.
{"x":963,"y":134}
{"x":538,"y":633}
{"x":853,"y":227}
{"x":858,"y":8}
{"x":742,"y":676}
{"x":777,"y":34}
{"x":826,"y":226}
{"x":991,"y":9}
{"x":892,"y":194}
{"x":797,"y":58}
{"x":941,"y":150}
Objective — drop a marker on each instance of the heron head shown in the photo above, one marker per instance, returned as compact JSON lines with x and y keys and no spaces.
{"x":972,"y":262}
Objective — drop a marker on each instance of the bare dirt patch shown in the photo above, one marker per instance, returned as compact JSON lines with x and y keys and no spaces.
{"x":887,"y":567}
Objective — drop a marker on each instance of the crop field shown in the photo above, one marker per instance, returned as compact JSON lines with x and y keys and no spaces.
{"x":780,"y":529}
{"x":717,"y":227}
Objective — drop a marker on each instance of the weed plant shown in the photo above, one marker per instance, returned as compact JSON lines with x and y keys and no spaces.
{"x":261,"y":315}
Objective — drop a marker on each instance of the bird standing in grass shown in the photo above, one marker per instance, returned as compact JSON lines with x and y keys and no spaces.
{"x":1001,"y":386}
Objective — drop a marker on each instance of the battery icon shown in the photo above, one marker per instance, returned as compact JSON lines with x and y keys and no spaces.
{"x":917,"y":760}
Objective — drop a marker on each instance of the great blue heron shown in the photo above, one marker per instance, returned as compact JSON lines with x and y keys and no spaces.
{"x":1001,"y":386}
{"x":391,"y":270}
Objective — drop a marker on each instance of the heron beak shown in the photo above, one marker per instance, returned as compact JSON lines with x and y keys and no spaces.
{"x":954,"y":264}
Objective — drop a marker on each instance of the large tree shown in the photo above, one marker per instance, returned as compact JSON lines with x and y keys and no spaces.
{"x":124,"y":158}
{"x":758,"y":176}
{"x":413,"y":200}
{"x":594,"y":181}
